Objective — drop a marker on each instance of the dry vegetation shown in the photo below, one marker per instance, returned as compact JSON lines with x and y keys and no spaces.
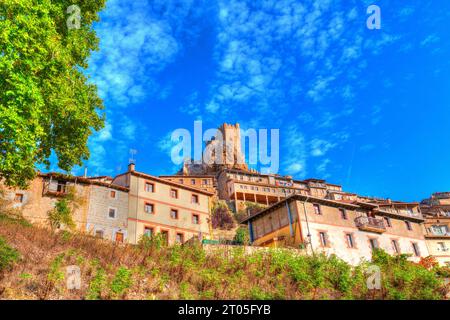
{"x":34,"y":261}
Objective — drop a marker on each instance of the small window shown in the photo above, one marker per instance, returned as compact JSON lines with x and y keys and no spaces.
{"x":416,"y":249}
{"x":112,"y":194}
{"x":395,"y":246}
{"x":194,"y":198}
{"x":174,"y":214}
{"x":442,"y":246}
{"x":99,"y":234}
{"x":195,"y":219}
{"x":350,"y":241}
{"x":174,"y":193}
{"x":112,"y":213}
{"x":343,"y":215}
{"x":323,"y":239}
{"x":180,"y":238}
{"x":388,"y":221}
{"x":181,"y":181}
{"x":149,"y":187}
{"x":192,"y":181}
{"x":205,"y":181}
{"x":408,"y":225}
{"x":148,"y":208}
{"x":165,"y":236}
{"x":18,"y":197}
{"x":317,"y":209}
{"x":148,"y":232}
{"x":373,"y":243}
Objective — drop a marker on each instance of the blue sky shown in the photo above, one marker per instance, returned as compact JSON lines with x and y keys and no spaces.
{"x":368,"y":109}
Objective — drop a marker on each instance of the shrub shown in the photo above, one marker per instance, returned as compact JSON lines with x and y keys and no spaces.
{"x":242,"y":236}
{"x":61,"y":215}
{"x":122,"y":281}
{"x":8,"y":255}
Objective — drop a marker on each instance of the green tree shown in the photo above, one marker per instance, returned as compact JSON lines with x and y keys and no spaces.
{"x":46,"y":102}
{"x":242,"y":236}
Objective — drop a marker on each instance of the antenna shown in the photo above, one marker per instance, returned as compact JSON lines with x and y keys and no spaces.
{"x":133,"y":152}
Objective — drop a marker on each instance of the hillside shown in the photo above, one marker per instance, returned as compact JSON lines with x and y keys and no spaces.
{"x":33,"y":265}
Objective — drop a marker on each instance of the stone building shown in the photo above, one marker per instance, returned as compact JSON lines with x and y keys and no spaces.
{"x":223,"y":151}
{"x":178,"y":211}
{"x":349,"y":229}
{"x":436,"y":211}
{"x":203,"y":182}
{"x":101,"y":208}
{"x":238,"y":187}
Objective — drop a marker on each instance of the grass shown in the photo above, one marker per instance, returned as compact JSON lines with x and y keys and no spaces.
{"x":37,"y":258}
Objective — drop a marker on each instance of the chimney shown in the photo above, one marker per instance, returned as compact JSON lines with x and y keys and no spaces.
{"x":85,"y":172}
{"x":131,"y":167}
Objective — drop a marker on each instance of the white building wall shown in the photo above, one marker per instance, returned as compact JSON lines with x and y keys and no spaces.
{"x":100,"y":201}
{"x":362,"y":251}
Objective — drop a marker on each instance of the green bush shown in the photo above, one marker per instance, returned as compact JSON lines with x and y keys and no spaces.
{"x":242,"y":236}
{"x":8,"y":255}
{"x":122,"y":281}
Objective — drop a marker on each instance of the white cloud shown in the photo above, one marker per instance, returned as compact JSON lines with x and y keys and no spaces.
{"x":320,"y":147}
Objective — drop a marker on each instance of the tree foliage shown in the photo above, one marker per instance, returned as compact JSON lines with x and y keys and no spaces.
{"x":46,"y":102}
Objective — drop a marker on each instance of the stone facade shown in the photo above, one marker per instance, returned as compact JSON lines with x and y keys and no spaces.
{"x":349,"y":230}
{"x":156,"y":206}
{"x":436,"y":210}
{"x":108,"y":213}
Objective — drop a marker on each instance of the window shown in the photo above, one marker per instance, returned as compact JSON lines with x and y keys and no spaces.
{"x":442,"y":246}
{"x":343,"y":215}
{"x":174,"y":214}
{"x":112,"y":213}
{"x":112,"y":194}
{"x":148,"y":232}
{"x":165,"y":236}
{"x":388,"y":222}
{"x":181,"y":181}
{"x":395,"y":246}
{"x":373,"y":243}
{"x":174,"y":193}
{"x":323,"y":239}
{"x":149,"y":187}
{"x":148,"y":208}
{"x":99,"y":234}
{"x":439,"y":230}
{"x":18,"y":198}
{"x":192,"y":181}
{"x":408,"y":225}
{"x":350,"y":241}
{"x":317,"y":209}
{"x":205,"y":181}
{"x":416,"y":249}
{"x":180,"y":238}
{"x":194,"y":198}
{"x":195,"y":219}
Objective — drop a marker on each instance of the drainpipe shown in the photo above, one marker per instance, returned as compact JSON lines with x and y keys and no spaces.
{"x":250,"y":231}
{"x":307,"y":224}
{"x":137,"y":209}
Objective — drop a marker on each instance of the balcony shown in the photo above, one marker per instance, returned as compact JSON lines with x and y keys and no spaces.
{"x":52,"y":188}
{"x":370,"y":224}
